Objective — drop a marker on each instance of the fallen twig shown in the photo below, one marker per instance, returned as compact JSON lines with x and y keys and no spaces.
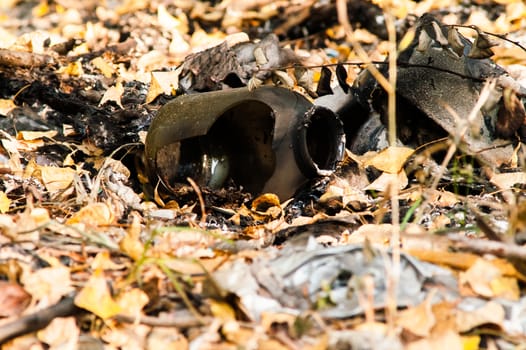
{"x":24,"y":59}
{"x":180,"y":322}
{"x":38,"y":320}
{"x":482,"y":246}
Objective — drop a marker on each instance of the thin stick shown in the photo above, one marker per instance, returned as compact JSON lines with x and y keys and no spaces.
{"x":343,"y":19}
{"x":500,"y":36}
{"x":38,"y":320}
{"x":179,"y":322}
{"x":200,"y":197}
{"x":391,"y":101}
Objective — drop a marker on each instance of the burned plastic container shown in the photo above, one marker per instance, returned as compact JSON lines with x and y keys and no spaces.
{"x":440,"y":77}
{"x":271,"y":139}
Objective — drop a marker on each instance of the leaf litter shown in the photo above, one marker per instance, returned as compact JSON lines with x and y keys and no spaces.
{"x":103,"y":259}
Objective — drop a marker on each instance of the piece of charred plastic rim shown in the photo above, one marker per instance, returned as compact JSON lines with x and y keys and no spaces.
{"x":270,"y":139}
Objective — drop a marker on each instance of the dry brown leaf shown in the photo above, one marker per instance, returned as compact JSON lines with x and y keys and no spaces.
{"x":166,"y":338}
{"x":448,"y":340}
{"x":506,"y":181}
{"x":50,"y":284}
{"x":270,"y":318}
{"x":385,"y":181}
{"x":491,"y":313}
{"x":56,"y":178}
{"x":13,"y":298}
{"x":419,"y":319}
{"x":6,"y":106}
{"x":35,"y":135}
{"x":105,"y":67}
{"x":342,"y":190}
{"x":132,"y":302}
{"x":114,"y":94}
{"x":61,"y":333}
{"x":237,"y":333}
{"x":163,"y":83}
{"x":486,"y":279}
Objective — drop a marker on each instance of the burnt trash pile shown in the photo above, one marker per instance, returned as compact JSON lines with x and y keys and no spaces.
{"x":226,"y":126}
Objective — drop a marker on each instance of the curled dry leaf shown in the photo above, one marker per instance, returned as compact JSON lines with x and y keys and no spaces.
{"x":132,"y":302}
{"x":56,"y":178}
{"x":490,"y":313}
{"x":162,"y":83}
{"x":487,"y":280}
{"x":114,"y":94}
{"x":50,"y":284}
{"x":385,"y":181}
{"x":418,"y":320}
{"x":61,"y":333}
{"x":13,"y":298}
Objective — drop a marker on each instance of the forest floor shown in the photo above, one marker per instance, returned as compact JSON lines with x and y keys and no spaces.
{"x":419,"y":245}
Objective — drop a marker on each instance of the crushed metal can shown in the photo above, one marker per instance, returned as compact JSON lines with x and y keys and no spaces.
{"x":271,"y":139}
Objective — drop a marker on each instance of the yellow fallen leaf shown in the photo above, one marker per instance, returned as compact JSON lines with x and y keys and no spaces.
{"x":106,"y":68}
{"x":163,"y":83}
{"x":132,"y":302}
{"x":103,"y":261}
{"x":93,"y":214}
{"x":131,"y":243}
{"x":506,"y":287}
{"x":4,"y":202}
{"x":41,"y":9}
{"x":169,"y":22}
{"x":73,"y":69}
{"x":40,"y":216}
{"x":114,"y":94}
{"x":418,"y":320}
{"x":390,"y":160}
{"x":56,"y":178}
{"x":222,"y":310}
{"x":266,"y":205}
{"x":6,"y":106}
{"x":96,"y":298}
{"x":35,"y":135}
{"x":485,"y":278}
{"x":490,"y":313}
{"x":470,"y":342}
